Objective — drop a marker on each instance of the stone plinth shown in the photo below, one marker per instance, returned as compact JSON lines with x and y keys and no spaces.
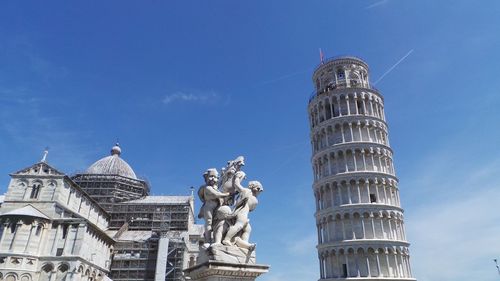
{"x":225,"y":271}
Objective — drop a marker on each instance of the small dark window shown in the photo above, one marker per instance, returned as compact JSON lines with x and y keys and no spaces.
{"x":344,"y":270}
{"x":12,"y":227}
{"x":340,"y":74}
{"x":38,"y":230}
{"x":59,"y":252}
{"x":65,"y":231}
{"x":373,"y":198}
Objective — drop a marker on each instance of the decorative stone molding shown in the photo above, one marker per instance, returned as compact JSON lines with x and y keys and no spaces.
{"x":223,"y":271}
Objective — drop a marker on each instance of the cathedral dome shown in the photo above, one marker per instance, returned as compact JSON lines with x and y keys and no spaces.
{"x":112,"y":165}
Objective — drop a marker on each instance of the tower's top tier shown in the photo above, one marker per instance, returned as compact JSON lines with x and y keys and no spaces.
{"x":341,"y":72}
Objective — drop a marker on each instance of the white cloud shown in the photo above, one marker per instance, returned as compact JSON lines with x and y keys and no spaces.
{"x":193,"y":97}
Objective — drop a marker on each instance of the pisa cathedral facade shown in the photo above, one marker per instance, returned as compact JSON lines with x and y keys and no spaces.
{"x":98,"y":225}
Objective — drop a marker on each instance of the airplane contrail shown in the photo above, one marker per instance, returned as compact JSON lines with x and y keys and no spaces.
{"x":392,"y":67}
{"x":286,"y":76}
{"x":376,"y":4}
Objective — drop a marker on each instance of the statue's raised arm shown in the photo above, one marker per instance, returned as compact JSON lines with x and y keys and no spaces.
{"x":228,"y":173}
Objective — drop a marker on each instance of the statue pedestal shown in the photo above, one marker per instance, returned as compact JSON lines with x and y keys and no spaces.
{"x":225,"y":271}
{"x":229,"y":254}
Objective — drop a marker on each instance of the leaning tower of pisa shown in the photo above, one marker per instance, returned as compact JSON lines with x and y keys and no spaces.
{"x":361,"y":233}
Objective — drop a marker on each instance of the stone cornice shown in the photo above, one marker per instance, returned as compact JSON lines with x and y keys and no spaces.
{"x":342,"y":90}
{"x":357,"y":207}
{"x":346,"y":119}
{"x":219,"y":269}
{"x":352,"y":176}
{"x":363,"y":243}
{"x":53,"y":259}
{"x":349,"y":145}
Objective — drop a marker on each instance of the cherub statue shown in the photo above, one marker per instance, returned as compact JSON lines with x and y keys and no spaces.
{"x":239,"y":231}
{"x":212,"y":198}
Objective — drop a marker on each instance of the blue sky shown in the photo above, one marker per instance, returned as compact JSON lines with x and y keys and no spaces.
{"x":188,"y":85}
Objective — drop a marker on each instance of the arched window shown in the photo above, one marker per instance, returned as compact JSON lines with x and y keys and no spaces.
{"x":62,"y":272}
{"x":340,"y":74}
{"x":35,"y":191}
{"x":359,"y":104}
{"x":63,"y":267}
{"x":48,"y":268}
{"x":46,"y":272}
{"x":26,"y":277}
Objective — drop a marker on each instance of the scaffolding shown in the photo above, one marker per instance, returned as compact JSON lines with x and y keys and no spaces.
{"x":175,"y":259}
{"x":110,"y":189}
{"x":135,"y":259}
{"x":141,"y":224}
{"x":155,"y":217}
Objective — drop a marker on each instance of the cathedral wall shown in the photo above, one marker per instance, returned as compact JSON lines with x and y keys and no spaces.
{"x":51,"y":230}
{"x":54,"y":190}
{"x":95,"y":249}
{"x":76,"y":202}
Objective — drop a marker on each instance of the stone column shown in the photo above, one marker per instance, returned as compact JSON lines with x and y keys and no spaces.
{"x":161,"y":260}
{"x":331,"y":107}
{"x":26,"y":247}
{"x":79,"y":237}
{"x":54,"y":244}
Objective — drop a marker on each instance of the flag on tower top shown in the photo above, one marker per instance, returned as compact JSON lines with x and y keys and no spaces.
{"x":321,"y":56}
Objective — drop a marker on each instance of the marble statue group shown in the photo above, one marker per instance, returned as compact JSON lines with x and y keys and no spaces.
{"x":226,"y":205}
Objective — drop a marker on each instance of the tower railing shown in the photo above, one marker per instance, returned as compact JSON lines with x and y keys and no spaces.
{"x":340,"y":85}
{"x":335,"y":58}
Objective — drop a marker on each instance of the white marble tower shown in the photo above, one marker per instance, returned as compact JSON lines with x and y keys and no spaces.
{"x":359,"y":218}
